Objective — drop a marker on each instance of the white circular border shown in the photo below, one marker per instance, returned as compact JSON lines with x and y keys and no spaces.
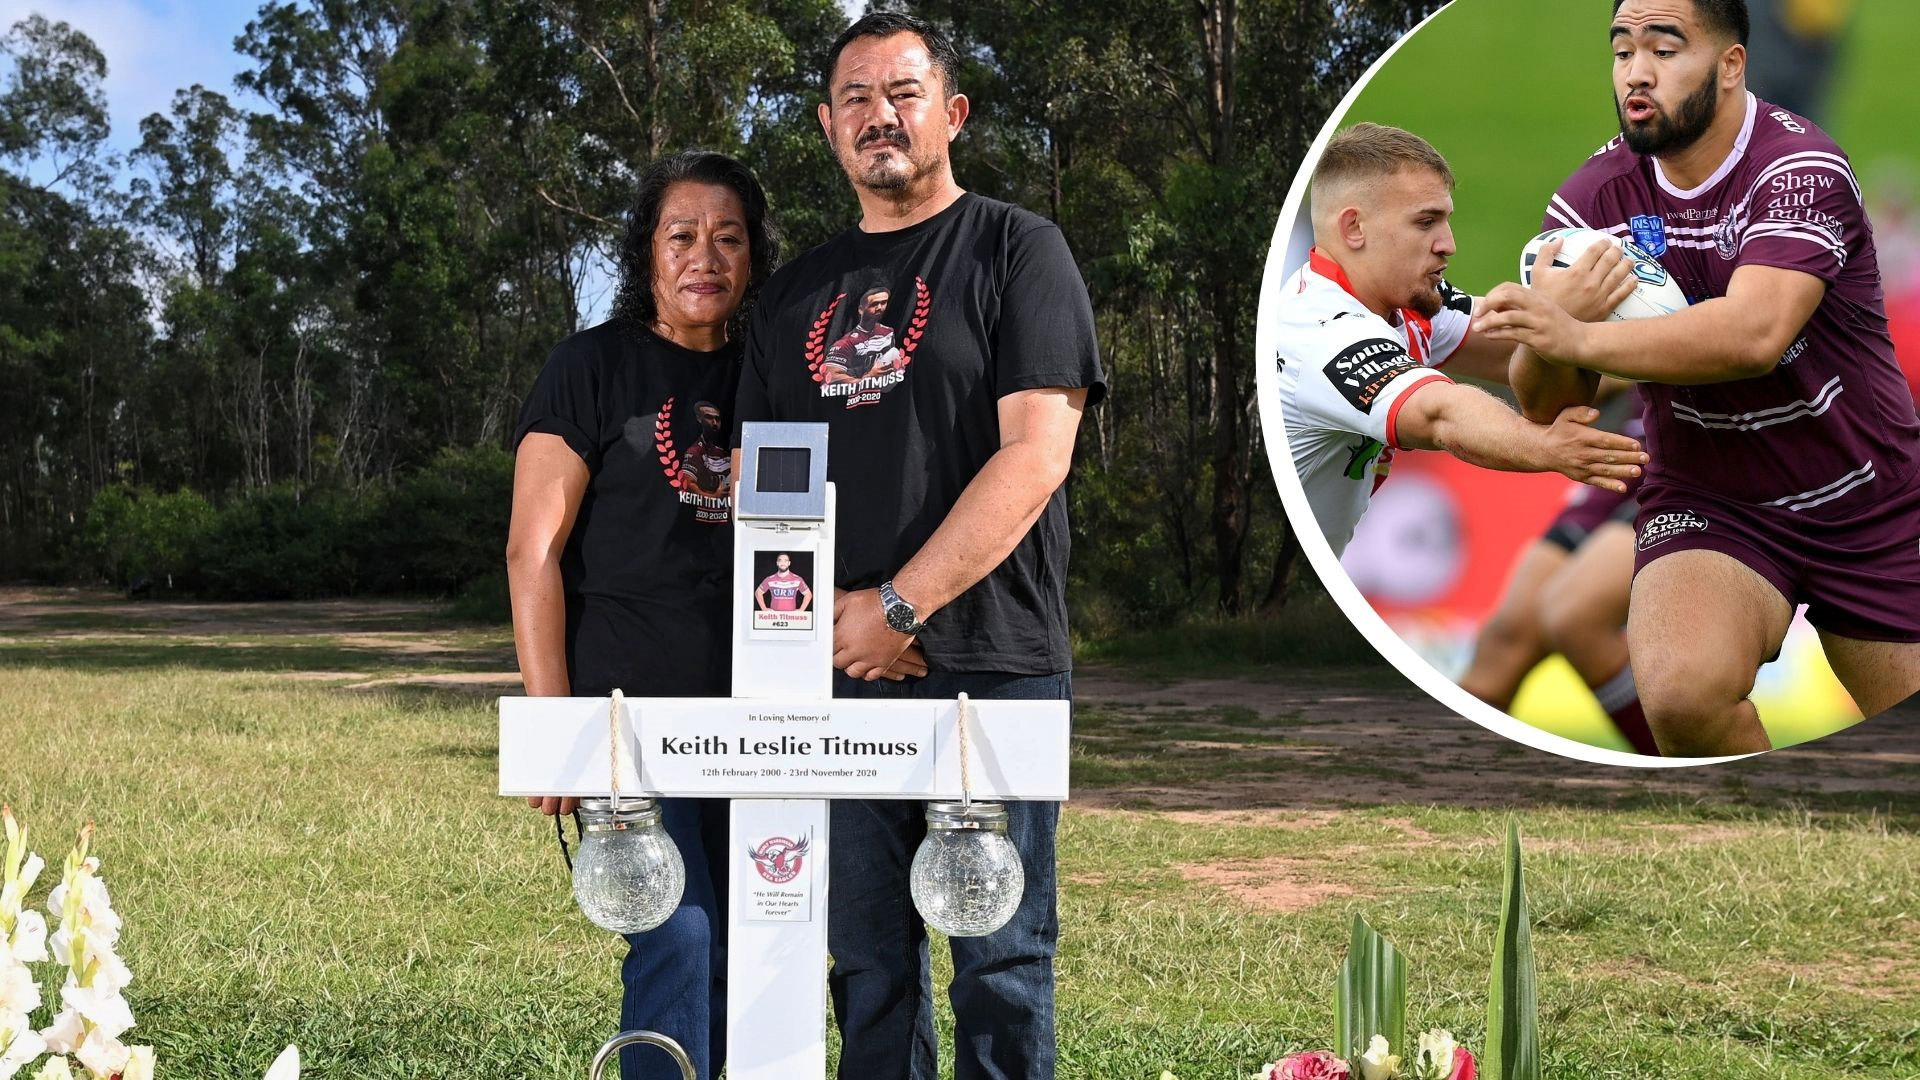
{"x":1293,"y":496}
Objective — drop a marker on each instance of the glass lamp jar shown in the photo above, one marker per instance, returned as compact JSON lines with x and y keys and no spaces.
{"x":628,"y":874}
{"x":966,"y":877}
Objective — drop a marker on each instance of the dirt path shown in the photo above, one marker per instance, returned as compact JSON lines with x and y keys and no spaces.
{"x":1427,"y":753}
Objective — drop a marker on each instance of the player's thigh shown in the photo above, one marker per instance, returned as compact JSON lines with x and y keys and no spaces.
{"x":1511,"y":642}
{"x":1593,"y":587}
{"x":1517,"y":618}
{"x":1879,"y":674}
{"x":1700,"y":624}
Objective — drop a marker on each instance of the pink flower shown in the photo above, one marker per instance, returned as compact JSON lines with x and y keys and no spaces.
{"x":1463,"y":1068}
{"x":1312,"y":1065}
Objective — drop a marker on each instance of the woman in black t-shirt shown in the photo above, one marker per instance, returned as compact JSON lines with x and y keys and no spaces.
{"x":619,"y":553}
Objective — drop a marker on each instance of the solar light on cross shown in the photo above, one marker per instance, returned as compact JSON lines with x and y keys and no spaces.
{"x":780,"y":747}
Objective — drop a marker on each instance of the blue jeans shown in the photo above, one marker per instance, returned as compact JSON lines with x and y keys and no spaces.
{"x":674,"y":980}
{"x":1002,"y":991}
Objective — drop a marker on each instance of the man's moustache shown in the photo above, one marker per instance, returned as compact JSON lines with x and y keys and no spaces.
{"x":891,"y":136}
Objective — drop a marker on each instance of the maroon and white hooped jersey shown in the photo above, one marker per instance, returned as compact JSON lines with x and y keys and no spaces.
{"x":783,"y":590}
{"x":1831,"y":429}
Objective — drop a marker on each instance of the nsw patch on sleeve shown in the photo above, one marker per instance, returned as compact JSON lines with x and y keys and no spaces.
{"x":1362,"y":370}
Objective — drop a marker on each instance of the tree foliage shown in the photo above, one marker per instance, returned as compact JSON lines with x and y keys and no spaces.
{"x":310,"y":293}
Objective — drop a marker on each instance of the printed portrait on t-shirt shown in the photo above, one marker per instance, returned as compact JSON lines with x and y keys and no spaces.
{"x":783,"y":595}
{"x":861,"y":345}
{"x":707,"y":468}
{"x":690,"y":443}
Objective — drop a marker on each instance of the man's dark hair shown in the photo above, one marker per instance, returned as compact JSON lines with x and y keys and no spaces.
{"x":888,"y":23}
{"x":1718,"y":16}
{"x":633,"y":302}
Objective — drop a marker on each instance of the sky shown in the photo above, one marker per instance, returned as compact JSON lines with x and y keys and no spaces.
{"x":155,"y":47}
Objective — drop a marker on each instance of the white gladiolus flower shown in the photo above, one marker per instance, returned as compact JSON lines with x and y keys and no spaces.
{"x":103,"y":1008}
{"x":30,"y":871}
{"x":56,"y":1068}
{"x":102,"y":1054}
{"x":18,"y":1046}
{"x":65,"y":1033}
{"x":18,"y":994}
{"x":110,"y":973}
{"x":285,"y":1067}
{"x":96,"y":910}
{"x":1376,"y":1063}
{"x":1433,"y":1059}
{"x":29,"y":942}
{"x":139,"y":1064}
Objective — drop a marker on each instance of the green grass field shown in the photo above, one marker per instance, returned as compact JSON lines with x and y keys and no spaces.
{"x":302,"y":835}
{"x":1517,"y":95}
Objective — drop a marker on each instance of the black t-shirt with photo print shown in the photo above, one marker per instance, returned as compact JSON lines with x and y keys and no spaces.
{"x":650,"y":558}
{"x":905,"y":342}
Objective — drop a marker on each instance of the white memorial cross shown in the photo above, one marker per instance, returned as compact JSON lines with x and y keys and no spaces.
{"x":779,"y":748}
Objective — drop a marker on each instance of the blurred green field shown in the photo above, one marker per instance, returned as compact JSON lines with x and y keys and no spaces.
{"x":1517,"y":95}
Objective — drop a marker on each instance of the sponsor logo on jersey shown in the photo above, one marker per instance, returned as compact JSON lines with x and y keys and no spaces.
{"x":1787,"y":121}
{"x":1361,"y":458}
{"x":1663,"y":527}
{"x":1650,"y":232}
{"x":1363,"y":369}
{"x":1453,"y":298}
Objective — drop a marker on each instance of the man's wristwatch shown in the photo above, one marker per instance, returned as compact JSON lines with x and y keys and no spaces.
{"x":900,"y":615}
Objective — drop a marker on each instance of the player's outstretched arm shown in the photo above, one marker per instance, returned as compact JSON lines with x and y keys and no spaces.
{"x":1737,"y":336}
{"x":1481,"y":430}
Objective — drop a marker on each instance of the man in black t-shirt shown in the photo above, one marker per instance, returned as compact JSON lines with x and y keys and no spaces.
{"x":952,"y":527}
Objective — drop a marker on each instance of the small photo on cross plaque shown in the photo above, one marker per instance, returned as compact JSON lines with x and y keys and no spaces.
{"x":783,"y":602}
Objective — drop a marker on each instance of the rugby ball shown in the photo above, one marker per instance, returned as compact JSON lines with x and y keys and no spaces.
{"x":1656,"y":293}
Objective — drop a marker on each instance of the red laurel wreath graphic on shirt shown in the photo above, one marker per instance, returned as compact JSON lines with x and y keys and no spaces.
{"x":917,"y":329}
{"x":663,"y":442}
{"x":817,"y":340}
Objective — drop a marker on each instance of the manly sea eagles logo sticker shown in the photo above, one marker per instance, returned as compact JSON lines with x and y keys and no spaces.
{"x":779,"y":859}
{"x":1663,"y":527}
{"x":704,"y":474}
{"x":1362,"y":370}
{"x":872,"y":358}
{"x":1726,"y":240}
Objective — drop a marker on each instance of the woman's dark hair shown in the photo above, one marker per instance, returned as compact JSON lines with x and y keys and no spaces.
{"x":633,"y":302}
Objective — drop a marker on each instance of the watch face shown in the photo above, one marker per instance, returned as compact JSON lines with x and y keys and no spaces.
{"x":900,"y":617}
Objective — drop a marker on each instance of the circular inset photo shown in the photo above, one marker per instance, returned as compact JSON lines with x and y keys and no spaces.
{"x":1582,"y":369}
